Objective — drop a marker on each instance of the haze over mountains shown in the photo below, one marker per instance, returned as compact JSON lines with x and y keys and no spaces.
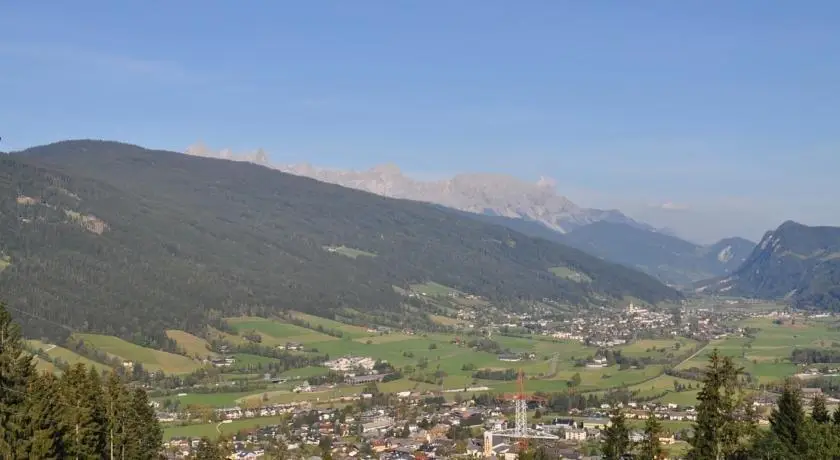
{"x":532,"y":207}
{"x":494,"y":194}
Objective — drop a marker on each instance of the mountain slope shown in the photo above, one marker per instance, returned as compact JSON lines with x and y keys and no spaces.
{"x":115,"y":238}
{"x":491,"y":194}
{"x":669,"y":258}
{"x":795,"y":261}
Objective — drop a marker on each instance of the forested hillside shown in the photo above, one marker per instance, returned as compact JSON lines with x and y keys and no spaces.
{"x":794,"y":262}
{"x":113,"y":238}
{"x":668,"y":258}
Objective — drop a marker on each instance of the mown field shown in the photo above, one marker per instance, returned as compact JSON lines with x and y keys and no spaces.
{"x":63,"y":354}
{"x":152,"y":360}
{"x":766,"y":357}
{"x":195,"y":347}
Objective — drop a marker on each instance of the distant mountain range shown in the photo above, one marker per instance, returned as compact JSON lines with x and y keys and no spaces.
{"x":538,"y":210}
{"x":668,"y":258}
{"x":491,"y":194}
{"x":794,"y":262}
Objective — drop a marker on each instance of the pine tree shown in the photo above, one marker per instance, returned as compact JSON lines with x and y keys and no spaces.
{"x":835,"y":418}
{"x":724,"y":419}
{"x":207,"y":450}
{"x":650,"y":448}
{"x":146,"y":430}
{"x":819,"y":413}
{"x":788,"y":419}
{"x":86,"y":435}
{"x":116,"y":400}
{"x":46,"y":426}
{"x":616,"y":437}
{"x":17,"y":372}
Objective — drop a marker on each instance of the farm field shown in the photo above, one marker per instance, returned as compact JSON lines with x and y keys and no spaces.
{"x":66,"y":355}
{"x":766,"y":357}
{"x":433,"y":289}
{"x":348,"y":330}
{"x":195,"y":347}
{"x":208,"y":399}
{"x":152,"y":360}
{"x":304,"y":373}
{"x":210,"y":429}
{"x":568,"y":273}
{"x":275,"y":332}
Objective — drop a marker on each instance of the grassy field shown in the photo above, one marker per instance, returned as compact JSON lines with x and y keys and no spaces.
{"x":152,"y":360}
{"x":213,"y":430}
{"x":665,"y":384}
{"x":66,"y":355}
{"x":274,"y":332}
{"x":304,"y":373}
{"x":348,"y":252}
{"x":208,"y":399}
{"x":568,"y":273}
{"x":195,"y":347}
{"x":767,"y":356}
{"x":348,"y":330}
{"x":434,"y":289}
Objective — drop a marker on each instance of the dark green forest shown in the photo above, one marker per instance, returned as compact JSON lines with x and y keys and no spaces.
{"x":79,"y":415}
{"x":182,"y":240}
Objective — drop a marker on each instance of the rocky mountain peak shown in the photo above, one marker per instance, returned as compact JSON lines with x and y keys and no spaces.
{"x":482,"y":193}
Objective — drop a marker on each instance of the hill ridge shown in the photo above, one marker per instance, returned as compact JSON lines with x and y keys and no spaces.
{"x":191,"y":239}
{"x":795,"y":262}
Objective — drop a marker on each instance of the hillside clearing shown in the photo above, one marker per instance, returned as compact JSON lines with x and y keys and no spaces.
{"x":194,"y":346}
{"x":152,"y":360}
{"x":69,"y":357}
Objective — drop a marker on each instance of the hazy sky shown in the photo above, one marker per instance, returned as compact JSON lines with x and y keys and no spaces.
{"x":712,"y":117}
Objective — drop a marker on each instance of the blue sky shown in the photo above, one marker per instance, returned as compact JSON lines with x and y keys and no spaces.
{"x":728,"y":109}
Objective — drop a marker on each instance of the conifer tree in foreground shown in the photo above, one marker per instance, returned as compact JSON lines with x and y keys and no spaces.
{"x":76,"y":417}
{"x":650,"y":448}
{"x":16,"y":374}
{"x":725,"y":422}
{"x":819,"y":413}
{"x":207,"y":450}
{"x":788,"y":420}
{"x":616,"y":437}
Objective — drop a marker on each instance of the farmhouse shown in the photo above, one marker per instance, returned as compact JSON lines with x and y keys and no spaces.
{"x":294,"y":346}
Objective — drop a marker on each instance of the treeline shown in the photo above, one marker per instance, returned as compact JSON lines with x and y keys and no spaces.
{"x":815,"y":356}
{"x":496,"y":374}
{"x":727,"y":425}
{"x":76,"y":416}
{"x":286,"y":360}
